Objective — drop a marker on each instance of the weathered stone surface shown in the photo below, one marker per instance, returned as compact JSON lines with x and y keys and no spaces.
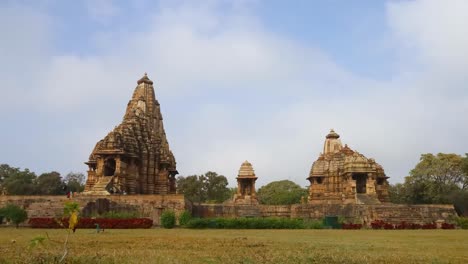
{"x":134,"y":157}
{"x":343,"y":176}
{"x":392,"y":213}
{"x":150,"y":206}
{"x":246,"y":193}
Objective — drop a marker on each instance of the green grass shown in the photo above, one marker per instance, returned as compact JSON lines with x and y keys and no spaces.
{"x":236,"y":246}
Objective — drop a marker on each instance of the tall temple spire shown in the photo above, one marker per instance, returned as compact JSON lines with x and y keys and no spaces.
{"x":136,"y":153}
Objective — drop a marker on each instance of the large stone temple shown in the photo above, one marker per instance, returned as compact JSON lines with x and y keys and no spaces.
{"x":134,"y":158}
{"x":344,"y":176}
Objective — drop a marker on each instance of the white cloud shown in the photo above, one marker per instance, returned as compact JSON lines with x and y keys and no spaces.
{"x":231,"y":90}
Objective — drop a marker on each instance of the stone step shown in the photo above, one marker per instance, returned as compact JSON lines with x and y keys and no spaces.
{"x":366,"y":199}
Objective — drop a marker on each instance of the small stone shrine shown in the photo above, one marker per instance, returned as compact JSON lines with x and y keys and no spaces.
{"x":135,"y":157}
{"x":246,"y":185}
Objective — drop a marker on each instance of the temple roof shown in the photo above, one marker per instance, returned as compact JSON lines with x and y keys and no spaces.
{"x":145,"y":79}
{"x":246,"y":170}
{"x":337,"y":159}
{"x":332,"y":134}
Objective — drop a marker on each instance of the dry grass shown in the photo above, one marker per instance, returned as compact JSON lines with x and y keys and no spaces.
{"x":238,"y":246}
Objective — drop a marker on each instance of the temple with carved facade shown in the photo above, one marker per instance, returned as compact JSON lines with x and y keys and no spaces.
{"x":135,"y":157}
{"x":344,"y":176}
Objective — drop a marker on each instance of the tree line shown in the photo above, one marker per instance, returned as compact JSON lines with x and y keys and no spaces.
{"x":436,"y":179}
{"x":15,"y":181}
{"x":213,"y":188}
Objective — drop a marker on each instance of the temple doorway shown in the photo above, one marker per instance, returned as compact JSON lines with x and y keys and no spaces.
{"x":361,"y":179}
{"x":109,"y":167}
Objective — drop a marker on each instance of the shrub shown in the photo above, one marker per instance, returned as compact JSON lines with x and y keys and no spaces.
{"x":168,"y":219}
{"x":119,"y":215}
{"x":313,"y":224}
{"x":253,"y":223}
{"x":429,"y":226}
{"x":43,"y":222}
{"x":447,"y":226}
{"x":70,"y":207}
{"x":184,"y":218}
{"x":14,"y":213}
{"x":351,"y":226}
{"x":462,"y":222}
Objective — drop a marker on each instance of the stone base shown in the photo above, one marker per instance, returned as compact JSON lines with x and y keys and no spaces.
{"x":150,"y":206}
{"x":361,"y":213}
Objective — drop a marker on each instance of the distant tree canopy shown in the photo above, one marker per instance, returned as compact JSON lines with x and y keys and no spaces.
{"x":441,"y":178}
{"x":15,"y":181}
{"x":281,"y":192}
{"x":209,"y":187}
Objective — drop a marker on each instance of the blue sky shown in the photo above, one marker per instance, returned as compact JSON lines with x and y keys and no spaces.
{"x":256,"y":80}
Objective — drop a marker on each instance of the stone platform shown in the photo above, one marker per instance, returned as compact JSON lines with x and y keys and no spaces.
{"x":361,"y":213}
{"x":150,"y":206}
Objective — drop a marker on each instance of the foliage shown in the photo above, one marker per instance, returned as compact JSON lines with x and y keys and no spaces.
{"x":16,"y":181}
{"x":351,"y":226}
{"x":168,"y":219}
{"x":253,"y":223}
{"x":75,"y":182}
{"x":49,"y":184}
{"x":44,"y":222}
{"x":184,"y":218}
{"x":119,"y":215}
{"x":202,"y":188}
{"x":70,"y":207}
{"x":441,"y":178}
{"x":281,"y":192}
{"x":14,"y":213}
{"x":462,"y":222}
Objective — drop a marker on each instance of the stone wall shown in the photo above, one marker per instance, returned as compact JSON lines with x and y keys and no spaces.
{"x":393,"y":213}
{"x":146,"y":205}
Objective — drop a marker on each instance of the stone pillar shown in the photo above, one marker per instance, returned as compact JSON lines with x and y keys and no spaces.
{"x":370,"y":184}
{"x":143,"y":171}
{"x":151,"y":176}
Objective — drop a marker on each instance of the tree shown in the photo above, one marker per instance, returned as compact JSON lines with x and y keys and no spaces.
{"x":75,"y":182}
{"x":202,"y":188}
{"x":192,"y":188}
{"x":434,"y":177}
{"x":216,"y":187}
{"x":14,"y":213}
{"x":5,"y":172}
{"x":281,"y":192}
{"x":49,"y":184}
{"x":441,"y":178}
{"x":20,"y":182}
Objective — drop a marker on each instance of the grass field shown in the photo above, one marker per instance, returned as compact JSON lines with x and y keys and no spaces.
{"x":236,"y":246}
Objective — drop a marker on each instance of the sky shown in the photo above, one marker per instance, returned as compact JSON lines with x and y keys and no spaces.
{"x":262,"y":81}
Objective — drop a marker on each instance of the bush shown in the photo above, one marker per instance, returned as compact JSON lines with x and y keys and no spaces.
{"x":70,"y":207}
{"x":184,"y":218}
{"x":14,"y":213}
{"x":119,"y":215}
{"x":351,"y":226}
{"x":447,"y":226}
{"x":313,"y":224}
{"x":253,"y":223}
{"x":44,"y":222}
{"x":168,"y":219}
{"x":429,"y":226}
{"x":462,"y":222}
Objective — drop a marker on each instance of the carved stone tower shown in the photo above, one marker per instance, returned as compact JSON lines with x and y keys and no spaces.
{"x":134,"y":158}
{"x":246,"y":185}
